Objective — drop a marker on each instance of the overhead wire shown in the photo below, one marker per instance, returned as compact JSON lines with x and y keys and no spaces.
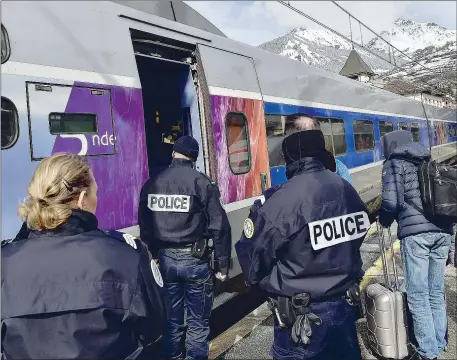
{"x":375,"y":33}
{"x":399,"y":68}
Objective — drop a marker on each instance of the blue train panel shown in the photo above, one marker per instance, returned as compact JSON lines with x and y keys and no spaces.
{"x":440,"y":133}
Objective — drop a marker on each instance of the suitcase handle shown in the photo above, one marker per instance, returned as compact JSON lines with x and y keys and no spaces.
{"x":385,"y":264}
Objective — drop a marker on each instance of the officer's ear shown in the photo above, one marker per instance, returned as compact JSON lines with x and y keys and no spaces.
{"x":81,"y":199}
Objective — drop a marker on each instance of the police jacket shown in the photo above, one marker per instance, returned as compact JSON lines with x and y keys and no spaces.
{"x":79,"y":293}
{"x":180,"y":206}
{"x":401,"y":198}
{"x":305,"y":235}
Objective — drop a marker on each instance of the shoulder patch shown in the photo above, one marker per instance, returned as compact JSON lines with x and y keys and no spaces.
{"x":124,"y":237}
{"x":248,"y":228}
{"x":156,"y":273}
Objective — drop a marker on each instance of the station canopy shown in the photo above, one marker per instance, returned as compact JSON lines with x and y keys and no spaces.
{"x":355,"y":66}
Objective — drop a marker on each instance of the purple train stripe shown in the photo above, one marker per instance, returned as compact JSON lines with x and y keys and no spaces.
{"x":120,"y":174}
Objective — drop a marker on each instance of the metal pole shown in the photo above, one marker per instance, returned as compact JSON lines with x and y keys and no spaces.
{"x":428,"y":125}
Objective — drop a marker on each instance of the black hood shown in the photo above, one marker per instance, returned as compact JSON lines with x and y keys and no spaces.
{"x":400,"y":144}
{"x":307,"y":144}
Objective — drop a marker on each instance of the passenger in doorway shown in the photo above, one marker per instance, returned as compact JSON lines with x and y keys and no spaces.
{"x":424,"y":242}
{"x":301,"y":245}
{"x":70,"y":290}
{"x":179,"y":212}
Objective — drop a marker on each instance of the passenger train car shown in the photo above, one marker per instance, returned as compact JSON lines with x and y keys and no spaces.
{"x":119,"y":81}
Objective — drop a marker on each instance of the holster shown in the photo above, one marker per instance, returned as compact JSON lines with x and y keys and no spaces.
{"x":354,"y":300}
{"x":200,"y":249}
{"x":293,"y":312}
{"x":282,"y":309}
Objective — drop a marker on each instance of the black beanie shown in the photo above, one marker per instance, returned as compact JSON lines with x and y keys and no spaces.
{"x":188,"y":146}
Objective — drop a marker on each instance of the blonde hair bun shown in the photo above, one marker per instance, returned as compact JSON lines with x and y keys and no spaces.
{"x":55,"y":186}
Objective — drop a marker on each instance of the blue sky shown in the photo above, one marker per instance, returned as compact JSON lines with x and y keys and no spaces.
{"x":254,"y":22}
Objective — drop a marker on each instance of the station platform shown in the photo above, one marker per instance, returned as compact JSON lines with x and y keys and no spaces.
{"x":252,"y":336}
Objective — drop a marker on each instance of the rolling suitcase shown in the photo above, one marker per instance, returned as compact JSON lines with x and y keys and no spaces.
{"x":386,"y":312}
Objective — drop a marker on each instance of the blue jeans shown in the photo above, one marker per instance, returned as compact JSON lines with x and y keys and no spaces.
{"x":336,"y":338}
{"x":424,"y":258}
{"x":187,"y":281}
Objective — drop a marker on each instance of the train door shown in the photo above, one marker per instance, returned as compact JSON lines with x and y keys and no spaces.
{"x":170,"y":100}
{"x":235,"y":122}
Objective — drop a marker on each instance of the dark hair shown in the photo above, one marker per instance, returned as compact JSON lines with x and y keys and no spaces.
{"x":291,"y":125}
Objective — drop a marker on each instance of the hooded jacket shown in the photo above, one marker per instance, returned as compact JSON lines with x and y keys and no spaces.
{"x":401,"y":199}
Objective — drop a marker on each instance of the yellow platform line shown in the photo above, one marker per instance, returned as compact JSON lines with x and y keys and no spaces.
{"x":376,"y":268}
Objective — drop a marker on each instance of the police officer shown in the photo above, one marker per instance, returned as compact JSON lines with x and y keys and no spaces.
{"x":300,"y":244}
{"x":70,"y":290}
{"x":179,"y":212}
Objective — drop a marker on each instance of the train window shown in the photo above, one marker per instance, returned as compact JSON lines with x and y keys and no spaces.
{"x":10,"y":124}
{"x":415,"y":132}
{"x":236,"y":126}
{"x":72,"y":123}
{"x":339,"y":136}
{"x":403,"y":126}
{"x":334,"y":134}
{"x":275,"y":135}
{"x":6,"y":49}
{"x":385,"y":127}
{"x":363,"y":135}
{"x":326,"y":129}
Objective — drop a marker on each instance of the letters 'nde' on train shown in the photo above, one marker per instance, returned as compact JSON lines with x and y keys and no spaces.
{"x":120,"y":81}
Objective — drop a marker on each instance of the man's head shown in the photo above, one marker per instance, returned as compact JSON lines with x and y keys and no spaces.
{"x":300,"y":122}
{"x":186,"y":147}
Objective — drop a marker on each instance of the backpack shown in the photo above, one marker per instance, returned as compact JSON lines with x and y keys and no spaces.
{"x":438,"y":189}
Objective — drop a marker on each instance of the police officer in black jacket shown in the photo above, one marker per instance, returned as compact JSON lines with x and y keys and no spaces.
{"x":300,"y":244}
{"x":70,"y":290}
{"x":179,"y":212}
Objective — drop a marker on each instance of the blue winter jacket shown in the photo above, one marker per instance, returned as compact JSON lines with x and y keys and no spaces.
{"x":401,"y":199}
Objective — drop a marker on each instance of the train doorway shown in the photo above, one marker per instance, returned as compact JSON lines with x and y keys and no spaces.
{"x":170,"y":101}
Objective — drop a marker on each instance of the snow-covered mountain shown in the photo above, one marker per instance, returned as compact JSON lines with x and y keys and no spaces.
{"x":410,"y":36}
{"x":321,"y":48}
{"x":430,"y":45}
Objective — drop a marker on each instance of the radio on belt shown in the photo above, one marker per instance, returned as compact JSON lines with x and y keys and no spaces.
{"x":333,"y":231}
{"x":175,"y":203}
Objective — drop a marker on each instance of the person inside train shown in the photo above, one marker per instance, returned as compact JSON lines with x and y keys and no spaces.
{"x":70,"y":290}
{"x":301,"y":245}
{"x":310,"y":123}
{"x":424,"y":242}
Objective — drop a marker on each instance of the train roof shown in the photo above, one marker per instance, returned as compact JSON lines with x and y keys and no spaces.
{"x":176,"y":11}
{"x":74,"y":28}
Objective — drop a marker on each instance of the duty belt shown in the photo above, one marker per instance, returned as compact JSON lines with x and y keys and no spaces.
{"x":187,"y":248}
{"x":293,"y":312}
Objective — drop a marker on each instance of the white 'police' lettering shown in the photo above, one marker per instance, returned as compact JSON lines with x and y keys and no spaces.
{"x":173,"y":203}
{"x":334,"y":231}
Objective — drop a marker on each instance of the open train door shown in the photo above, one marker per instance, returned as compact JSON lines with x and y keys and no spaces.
{"x":233,"y":117}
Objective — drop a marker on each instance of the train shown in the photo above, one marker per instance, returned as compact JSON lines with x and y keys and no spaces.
{"x":120,"y":81}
